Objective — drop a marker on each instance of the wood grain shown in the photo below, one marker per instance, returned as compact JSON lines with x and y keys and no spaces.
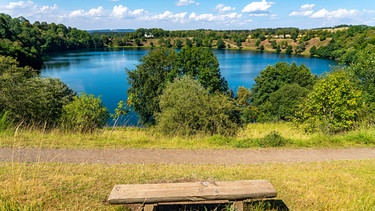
{"x":191,"y":192}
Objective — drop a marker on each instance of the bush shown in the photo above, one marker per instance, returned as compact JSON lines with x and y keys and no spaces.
{"x":187,"y":109}
{"x":35,"y":101}
{"x":85,"y":113}
{"x":274,"y":139}
{"x":334,"y":105}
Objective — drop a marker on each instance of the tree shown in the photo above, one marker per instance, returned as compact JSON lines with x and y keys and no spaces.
{"x":220,"y":44}
{"x":187,"y":108}
{"x":289,"y":49}
{"x":363,"y":67}
{"x":162,"y":65}
{"x":313,"y":50}
{"x":273,"y":78}
{"x":85,"y":113}
{"x":188,"y":42}
{"x":148,"y":80}
{"x":333,"y":105}
{"x":284,"y":101}
{"x":203,"y":65}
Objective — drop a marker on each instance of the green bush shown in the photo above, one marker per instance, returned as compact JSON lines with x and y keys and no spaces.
{"x":334,"y":105}
{"x":35,"y":101}
{"x":274,"y":139}
{"x":187,"y":109}
{"x":85,"y":113}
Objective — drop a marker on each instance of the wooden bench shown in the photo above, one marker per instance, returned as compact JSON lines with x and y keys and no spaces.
{"x":151,"y":195}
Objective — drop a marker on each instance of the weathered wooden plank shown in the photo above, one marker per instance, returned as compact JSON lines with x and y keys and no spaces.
{"x":191,"y":191}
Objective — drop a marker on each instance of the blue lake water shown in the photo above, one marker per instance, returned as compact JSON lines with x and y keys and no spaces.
{"x":102,"y":72}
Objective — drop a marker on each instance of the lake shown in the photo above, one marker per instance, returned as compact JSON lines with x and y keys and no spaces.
{"x":102,"y":72}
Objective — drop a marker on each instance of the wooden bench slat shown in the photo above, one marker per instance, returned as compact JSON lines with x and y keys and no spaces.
{"x":191,"y":191}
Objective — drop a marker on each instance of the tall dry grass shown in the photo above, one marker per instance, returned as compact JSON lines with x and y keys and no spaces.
{"x":253,"y":135}
{"x":338,"y":185}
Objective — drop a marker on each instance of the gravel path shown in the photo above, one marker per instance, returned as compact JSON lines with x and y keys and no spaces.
{"x":169,"y":156}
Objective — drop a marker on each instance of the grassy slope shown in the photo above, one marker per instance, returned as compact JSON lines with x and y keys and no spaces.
{"x":249,"y":137}
{"x":339,"y":185}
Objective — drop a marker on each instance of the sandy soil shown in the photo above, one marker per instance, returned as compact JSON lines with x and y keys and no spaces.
{"x":168,"y":156}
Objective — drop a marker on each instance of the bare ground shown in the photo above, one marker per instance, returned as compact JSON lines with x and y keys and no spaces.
{"x":169,"y":156}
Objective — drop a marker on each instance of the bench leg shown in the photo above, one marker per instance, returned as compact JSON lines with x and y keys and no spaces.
{"x":238,"y":205}
{"x":149,"y":207}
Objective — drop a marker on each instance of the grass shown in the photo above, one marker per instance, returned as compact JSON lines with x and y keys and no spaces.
{"x":252,"y":136}
{"x":339,"y":185}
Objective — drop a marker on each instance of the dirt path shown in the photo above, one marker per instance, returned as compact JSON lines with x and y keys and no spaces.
{"x":154,"y":156}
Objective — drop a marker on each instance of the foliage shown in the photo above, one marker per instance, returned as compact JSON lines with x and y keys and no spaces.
{"x":28,"y":99}
{"x":85,"y":113}
{"x":29,"y":42}
{"x":201,"y":64}
{"x":283,"y":102}
{"x":148,"y":81}
{"x":274,"y":78}
{"x":187,"y":108}
{"x":120,"y":111}
{"x":163,"y":65}
{"x":274,"y":139}
{"x":363,"y":67}
{"x":333,"y":105}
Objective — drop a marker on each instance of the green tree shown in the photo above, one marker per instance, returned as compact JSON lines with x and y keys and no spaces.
{"x":203,"y":65}
{"x":85,"y":113}
{"x":333,"y":105}
{"x":283,"y":102}
{"x":313,"y":50}
{"x":220,"y":44}
{"x":187,"y":108}
{"x":162,"y":65}
{"x":289,"y":49}
{"x":273,"y":78}
{"x":148,"y":80}
{"x":363,"y":68}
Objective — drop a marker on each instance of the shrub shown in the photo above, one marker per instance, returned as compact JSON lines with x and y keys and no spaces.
{"x":35,"y":101}
{"x":187,"y":109}
{"x":85,"y":113}
{"x":274,"y":139}
{"x":334,"y":105}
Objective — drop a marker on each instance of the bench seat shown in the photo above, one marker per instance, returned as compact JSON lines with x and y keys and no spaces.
{"x":189,"y":192}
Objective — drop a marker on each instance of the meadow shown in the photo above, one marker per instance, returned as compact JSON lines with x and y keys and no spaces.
{"x":334,"y":185}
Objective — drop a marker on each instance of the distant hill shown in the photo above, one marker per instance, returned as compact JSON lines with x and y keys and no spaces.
{"x":111,"y":30}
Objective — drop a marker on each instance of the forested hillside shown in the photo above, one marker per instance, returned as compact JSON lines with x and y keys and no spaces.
{"x":28,"y":42}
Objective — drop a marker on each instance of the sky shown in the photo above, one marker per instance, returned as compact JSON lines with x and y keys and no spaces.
{"x":194,"y":14}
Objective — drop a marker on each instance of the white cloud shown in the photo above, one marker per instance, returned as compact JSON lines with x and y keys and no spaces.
{"x":167,"y":16}
{"x":337,"y":14}
{"x":94,"y":12}
{"x":305,"y":10}
{"x":307,"y":7}
{"x":223,"y":8}
{"x":120,"y":11}
{"x":212,"y":18}
{"x":258,"y":8}
{"x":186,"y":2}
{"x":26,"y":8}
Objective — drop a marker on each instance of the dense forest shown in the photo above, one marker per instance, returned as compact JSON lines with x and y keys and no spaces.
{"x":165,"y":82}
